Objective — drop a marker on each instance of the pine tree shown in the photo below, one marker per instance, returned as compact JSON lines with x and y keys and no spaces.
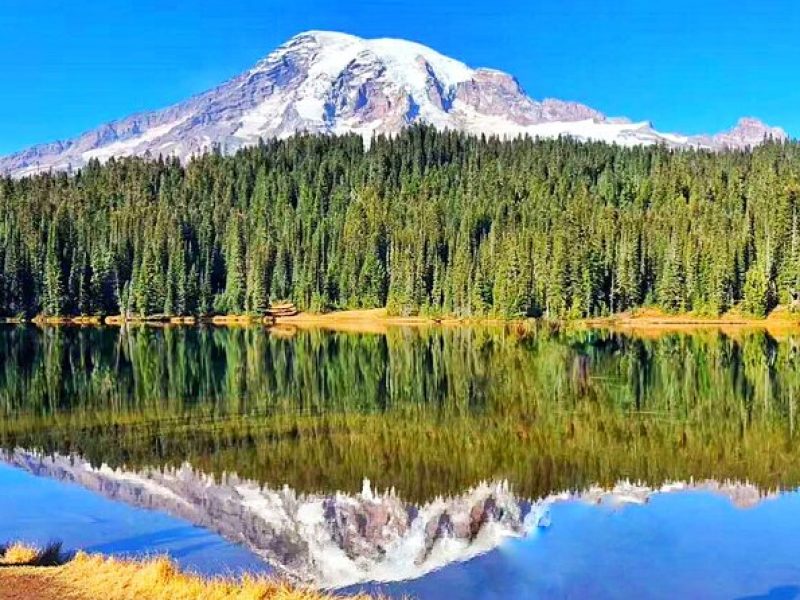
{"x":233,"y":299}
{"x":54,"y":298}
{"x":756,"y":291}
{"x":426,"y":221}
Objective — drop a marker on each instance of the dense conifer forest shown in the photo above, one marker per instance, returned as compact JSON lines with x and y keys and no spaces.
{"x":427,"y":222}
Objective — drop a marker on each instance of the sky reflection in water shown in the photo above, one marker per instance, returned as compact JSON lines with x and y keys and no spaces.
{"x":677,"y":545}
{"x":37,"y":510}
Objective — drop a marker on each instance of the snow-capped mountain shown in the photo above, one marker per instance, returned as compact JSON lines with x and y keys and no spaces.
{"x":336,"y":539}
{"x":325,"y":82}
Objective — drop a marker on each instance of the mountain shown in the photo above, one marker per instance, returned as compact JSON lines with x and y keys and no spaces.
{"x":325,"y":82}
{"x":336,"y":539}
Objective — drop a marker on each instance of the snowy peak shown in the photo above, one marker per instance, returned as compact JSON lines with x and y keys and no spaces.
{"x":351,"y":84}
{"x":334,"y":83}
{"x":750,"y":132}
{"x":406,"y":61}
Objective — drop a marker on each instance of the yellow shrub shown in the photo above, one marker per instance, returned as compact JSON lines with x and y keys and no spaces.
{"x":18,"y":554}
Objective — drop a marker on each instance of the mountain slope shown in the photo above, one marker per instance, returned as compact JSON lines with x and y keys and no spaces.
{"x":325,"y":82}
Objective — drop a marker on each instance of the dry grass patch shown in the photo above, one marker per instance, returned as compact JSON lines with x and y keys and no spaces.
{"x":17,"y":554}
{"x":22,"y":555}
{"x":94,"y":576}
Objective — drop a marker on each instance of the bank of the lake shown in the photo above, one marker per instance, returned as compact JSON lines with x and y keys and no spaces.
{"x":374,"y":320}
{"x":88,"y":577}
{"x":645,"y":322}
{"x":649,"y":322}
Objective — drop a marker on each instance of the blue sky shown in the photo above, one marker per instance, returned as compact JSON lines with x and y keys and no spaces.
{"x":689,"y":66}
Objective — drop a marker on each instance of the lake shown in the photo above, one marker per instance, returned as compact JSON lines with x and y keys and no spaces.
{"x":505,"y":461}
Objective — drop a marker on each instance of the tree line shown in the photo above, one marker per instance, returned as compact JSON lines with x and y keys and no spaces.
{"x":424,"y":222}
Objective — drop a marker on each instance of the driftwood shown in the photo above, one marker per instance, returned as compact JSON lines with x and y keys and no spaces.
{"x":283,"y":309}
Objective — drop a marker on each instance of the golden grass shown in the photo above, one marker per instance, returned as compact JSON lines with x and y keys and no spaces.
{"x":652,"y":323}
{"x":18,"y":554}
{"x":95,"y":576}
{"x":368,"y":320}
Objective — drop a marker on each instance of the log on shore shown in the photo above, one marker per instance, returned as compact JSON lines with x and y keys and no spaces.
{"x":284,"y":309}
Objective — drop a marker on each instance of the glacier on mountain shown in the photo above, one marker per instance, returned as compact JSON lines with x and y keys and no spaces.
{"x":335,"y":83}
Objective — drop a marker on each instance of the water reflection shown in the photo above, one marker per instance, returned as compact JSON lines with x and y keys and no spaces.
{"x":267,"y":439}
{"x":685,"y":544}
{"x":37,"y":510}
{"x":427,"y":412}
{"x":336,"y":539}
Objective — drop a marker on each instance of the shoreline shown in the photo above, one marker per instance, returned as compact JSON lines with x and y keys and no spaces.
{"x":378,"y":320}
{"x":24,"y":575}
{"x":341,"y":320}
{"x":654,"y":322}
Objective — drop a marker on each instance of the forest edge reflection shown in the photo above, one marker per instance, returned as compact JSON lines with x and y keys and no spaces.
{"x":426,"y":411}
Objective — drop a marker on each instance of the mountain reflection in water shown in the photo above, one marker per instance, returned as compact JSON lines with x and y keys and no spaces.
{"x":336,"y":539}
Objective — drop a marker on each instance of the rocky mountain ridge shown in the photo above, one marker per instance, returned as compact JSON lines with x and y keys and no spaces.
{"x":335,"y":83}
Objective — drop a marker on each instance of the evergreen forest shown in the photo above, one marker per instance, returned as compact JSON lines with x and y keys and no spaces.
{"x":425,"y":222}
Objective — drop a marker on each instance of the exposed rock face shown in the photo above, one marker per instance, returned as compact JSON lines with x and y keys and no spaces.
{"x":748,"y":133}
{"x":551,"y":109}
{"x":336,"y":539}
{"x":324,"y":82}
{"x":497,"y":94}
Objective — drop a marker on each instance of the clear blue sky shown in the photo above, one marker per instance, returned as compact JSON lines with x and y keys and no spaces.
{"x":689,"y":66}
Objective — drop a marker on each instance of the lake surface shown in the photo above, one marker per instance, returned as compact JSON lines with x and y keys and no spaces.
{"x":37,"y":510}
{"x":491,"y":460}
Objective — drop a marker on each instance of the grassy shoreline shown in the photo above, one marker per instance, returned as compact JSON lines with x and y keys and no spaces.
{"x":378,"y":320}
{"x":357,"y":319}
{"x":28,"y":573}
{"x":653,"y":322}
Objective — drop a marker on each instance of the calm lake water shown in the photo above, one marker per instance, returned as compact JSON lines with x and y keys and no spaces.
{"x":497,"y":462}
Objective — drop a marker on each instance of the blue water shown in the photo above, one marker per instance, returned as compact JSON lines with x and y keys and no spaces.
{"x":37,"y":510}
{"x":679,"y":545}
